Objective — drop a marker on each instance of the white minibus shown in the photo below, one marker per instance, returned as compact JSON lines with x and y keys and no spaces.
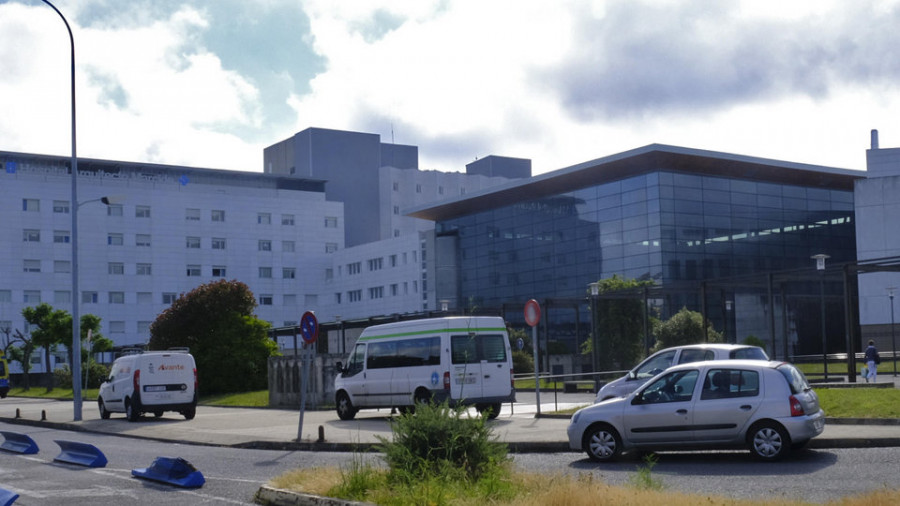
{"x":464,"y":360}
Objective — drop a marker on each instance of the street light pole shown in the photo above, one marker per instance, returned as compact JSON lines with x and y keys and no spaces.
{"x":820,"y":266}
{"x":595,"y":340}
{"x":76,"y":318}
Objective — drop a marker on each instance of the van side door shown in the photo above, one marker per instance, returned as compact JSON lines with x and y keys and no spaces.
{"x":354,"y":375}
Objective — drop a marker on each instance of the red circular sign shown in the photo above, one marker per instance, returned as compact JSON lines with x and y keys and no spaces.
{"x":309,"y":327}
{"x":532,"y":312}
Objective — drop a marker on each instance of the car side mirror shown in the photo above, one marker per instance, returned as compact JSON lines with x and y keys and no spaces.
{"x":638,"y":398}
{"x":340,"y":367}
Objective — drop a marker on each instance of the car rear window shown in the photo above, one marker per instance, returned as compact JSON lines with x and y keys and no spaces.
{"x":690,"y":355}
{"x":794,"y":377}
{"x":749,"y":353}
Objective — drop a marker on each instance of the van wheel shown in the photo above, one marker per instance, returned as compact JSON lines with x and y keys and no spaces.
{"x":189,"y":413}
{"x":132,"y":410}
{"x":602,"y":443}
{"x":104,"y":414}
{"x":422,"y":396}
{"x":768,"y":441}
{"x":489,"y":410}
{"x":157,"y":414}
{"x":345,"y":409}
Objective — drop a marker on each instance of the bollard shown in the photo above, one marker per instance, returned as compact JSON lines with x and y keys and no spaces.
{"x":43,"y":415}
{"x":18,"y":414}
{"x":321,"y":434}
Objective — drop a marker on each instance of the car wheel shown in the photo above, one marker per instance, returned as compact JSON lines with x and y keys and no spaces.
{"x":602,"y":443}
{"x":405,"y":410}
{"x":769,"y":441}
{"x":132,"y":410}
{"x":490,"y":410}
{"x":189,"y":413}
{"x":104,"y":414}
{"x":345,"y":409}
{"x":422,"y":396}
{"x":157,"y":414}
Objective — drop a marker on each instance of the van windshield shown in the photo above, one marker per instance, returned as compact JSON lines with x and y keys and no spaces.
{"x":472,"y":349}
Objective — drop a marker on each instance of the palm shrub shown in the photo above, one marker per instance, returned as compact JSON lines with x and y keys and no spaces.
{"x":439,"y":441}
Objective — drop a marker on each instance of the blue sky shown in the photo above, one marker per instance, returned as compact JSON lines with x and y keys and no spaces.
{"x":211,"y":83}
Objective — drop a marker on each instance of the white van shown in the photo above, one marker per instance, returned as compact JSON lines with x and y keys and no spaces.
{"x":464,"y":360}
{"x":151,"y":382}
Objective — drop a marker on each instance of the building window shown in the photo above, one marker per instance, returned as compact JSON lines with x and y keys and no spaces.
{"x":289,"y":300}
{"x":115,"y":239}
{"x":143,"y":328}
{"x":115,"y":268}
{"x":5,"y":296}
{"x":265,"y":300}
{"x":169,"y":297}
{"x":287,"y":246}
{"x":191,"y":214}
{"x":354,"y":268}
{"x":89,"y":297}
{"x":144,"y":270}
{"x":264,"y":218}
{"x":62,"y":266}
{"x":396,"y":186}
{"x":218,"y":243}
{"x":117,"y":327}
{"x":145,"y":298}
{"x":114,"y":210}
{"x":331,"y":247}
{"x":60,"y":297}
{"x":116,"y":297}
{"x":375,"y":264}
{"x":287,"y":220}
{"x":32,"y":266}
{"x":289,"y":273}
{"x":354,"y":295}
{"x":440,"y":190}
{"x":193,"y":271}
{"x":331,"y":222}
{"x":31,"y":205}
{"x":310,"y":300}
{"x":61,"y":236}
{"x":394,"y":290}
{"x":396,"y":210}
{"x":142,"y":212}
{"x":31,"y":235}
{"x":32,"y":297}
{"x":265,"y":272}
{"x":218,"y":271}
{"x":192,"y":243}
{"x":337,"y":298}
{"x":393,"y":259}
{"x":142,"y":240}
{"x":376,"y":292}
{"x":61,"y":206}
{"x":217,"y":215}
{"x":264,"y":245}
{"x":329,"y":274}
{"x":418,"y":188}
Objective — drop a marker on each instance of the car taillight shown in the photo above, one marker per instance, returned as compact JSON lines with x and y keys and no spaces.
{"x":447,"y":380}
{"x":796,"y":407}
{"x":137,"y":380}
{"x":512,"y":381}
{"x":196,"y":382}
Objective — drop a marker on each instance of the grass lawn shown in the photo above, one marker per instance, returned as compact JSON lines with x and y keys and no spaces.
{"x":258,"y":399}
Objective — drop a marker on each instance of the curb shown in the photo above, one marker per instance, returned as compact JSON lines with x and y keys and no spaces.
{"x":278,"y":497}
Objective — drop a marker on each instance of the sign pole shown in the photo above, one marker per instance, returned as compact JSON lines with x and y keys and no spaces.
{"x":309,"y":331}
{"x":532,"y":317}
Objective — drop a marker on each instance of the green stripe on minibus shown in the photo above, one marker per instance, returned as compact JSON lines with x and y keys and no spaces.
{"x":432,"y":332}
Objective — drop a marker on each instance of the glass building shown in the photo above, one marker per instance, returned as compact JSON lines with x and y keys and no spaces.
{"x":679,"y":217}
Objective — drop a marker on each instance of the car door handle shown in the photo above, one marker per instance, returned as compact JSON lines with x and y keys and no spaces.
{"x":746,"y":407}
{"x":681,"y":412}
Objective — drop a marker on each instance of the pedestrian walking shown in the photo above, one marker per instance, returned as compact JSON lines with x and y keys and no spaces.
{"x":872,"y":361}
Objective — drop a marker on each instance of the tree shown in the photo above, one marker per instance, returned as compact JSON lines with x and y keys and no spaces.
{"x":620,"y":324}
{"x":685,"y":327}
{"x":89,"y":322}
{"x":22,"y":355}
{"x":216,"y":322}
{"x":50,"y":329}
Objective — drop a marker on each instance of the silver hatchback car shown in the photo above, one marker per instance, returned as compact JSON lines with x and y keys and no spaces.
{"x":765,"y":406}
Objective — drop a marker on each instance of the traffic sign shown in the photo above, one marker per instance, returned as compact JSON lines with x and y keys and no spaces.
{"x":532,"y":313}
{"x":309,"y":327}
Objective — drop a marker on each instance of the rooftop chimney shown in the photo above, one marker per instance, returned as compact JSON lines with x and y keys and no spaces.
{"x":874,"y":139}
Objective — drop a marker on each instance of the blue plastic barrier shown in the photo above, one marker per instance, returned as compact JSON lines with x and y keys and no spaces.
{"x":81,"y":454}
{"x":7,"y":497}
{"x":174,"y":471}
{"x":18,"y":443}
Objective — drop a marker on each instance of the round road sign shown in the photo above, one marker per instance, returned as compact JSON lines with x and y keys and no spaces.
{"x":309,"y":327}
{"x":532,"y":313}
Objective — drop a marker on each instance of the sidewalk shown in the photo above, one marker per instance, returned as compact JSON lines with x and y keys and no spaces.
{"x":516,"y":425}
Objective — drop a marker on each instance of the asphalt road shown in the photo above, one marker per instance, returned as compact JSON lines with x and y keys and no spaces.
{"x":233,"y":475}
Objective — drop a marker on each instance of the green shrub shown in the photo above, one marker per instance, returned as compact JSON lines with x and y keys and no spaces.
{"x":97,"y":373}
{"x":439,"y":441}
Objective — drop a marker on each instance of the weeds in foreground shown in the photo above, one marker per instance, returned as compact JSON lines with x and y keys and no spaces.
{"x":643,"y":479}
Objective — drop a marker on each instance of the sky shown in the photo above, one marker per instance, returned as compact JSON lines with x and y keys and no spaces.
{"x":212,"y":83}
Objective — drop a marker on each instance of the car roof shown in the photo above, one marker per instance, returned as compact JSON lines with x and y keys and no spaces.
{"x":709,"y":346}
{"x":730,"y":364}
